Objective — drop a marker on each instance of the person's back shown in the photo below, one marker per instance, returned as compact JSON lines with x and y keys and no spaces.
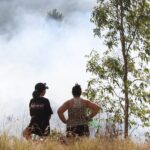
{"x":40,"y":112}
{"x":39,"y":109}
{"x":77,"y":122}
{"x":77,"y":113}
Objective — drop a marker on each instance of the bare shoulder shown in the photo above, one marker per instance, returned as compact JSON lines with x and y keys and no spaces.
{"x":64,"y":106}
{"x":90,"y":104}
{"x":68,"y":102}
{"x":85,"y":102}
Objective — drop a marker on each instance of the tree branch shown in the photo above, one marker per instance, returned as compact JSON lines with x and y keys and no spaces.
{"x":136,"y":80}
{"x":134,"y":33}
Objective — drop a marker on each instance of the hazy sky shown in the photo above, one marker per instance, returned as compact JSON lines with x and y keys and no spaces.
{"x":33,"y":50}
{"x":13,"y":11}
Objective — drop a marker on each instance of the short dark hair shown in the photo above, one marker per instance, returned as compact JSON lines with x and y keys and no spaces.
{"x":76,"y":90}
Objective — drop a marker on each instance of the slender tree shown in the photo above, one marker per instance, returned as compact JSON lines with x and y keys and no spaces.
{"x":121,"y":76}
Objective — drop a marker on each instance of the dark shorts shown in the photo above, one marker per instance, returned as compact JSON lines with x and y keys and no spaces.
{"x":80,"y":130}
{"x":39,"y":129}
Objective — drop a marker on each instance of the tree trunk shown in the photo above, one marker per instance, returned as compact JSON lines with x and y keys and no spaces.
{"x":126,"y":113}
{"x":125,"y":78}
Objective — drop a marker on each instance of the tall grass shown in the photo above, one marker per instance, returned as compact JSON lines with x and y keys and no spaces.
{"x":13,"y":143}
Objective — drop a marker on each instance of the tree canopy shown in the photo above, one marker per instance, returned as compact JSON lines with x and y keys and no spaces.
{"x":121,"y":76}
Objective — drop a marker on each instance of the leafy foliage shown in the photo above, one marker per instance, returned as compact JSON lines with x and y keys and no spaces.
{"x":121,"y":76}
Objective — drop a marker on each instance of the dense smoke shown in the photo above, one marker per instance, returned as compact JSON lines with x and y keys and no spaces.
{"x":34,"y":49}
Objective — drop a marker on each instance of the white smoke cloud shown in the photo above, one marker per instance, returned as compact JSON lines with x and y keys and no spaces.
{"x":41,"y":51}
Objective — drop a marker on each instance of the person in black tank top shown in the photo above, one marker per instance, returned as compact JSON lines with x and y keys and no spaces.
{"x":40,"y":112}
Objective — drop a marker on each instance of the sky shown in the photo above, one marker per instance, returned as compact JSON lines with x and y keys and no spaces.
{"x":34,"y":49}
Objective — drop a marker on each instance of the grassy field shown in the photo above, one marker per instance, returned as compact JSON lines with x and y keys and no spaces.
{"x":13,"y":143}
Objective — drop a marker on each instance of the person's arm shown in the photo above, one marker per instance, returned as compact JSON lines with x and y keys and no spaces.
{"x":93,"y":107}
{"x":61,"y":111}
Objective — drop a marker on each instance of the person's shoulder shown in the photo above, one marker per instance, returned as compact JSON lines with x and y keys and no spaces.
{"x":85,"y":101}
{"x":68,"y":102}
{"x":31,"y":100}
{"x":43,"y":99}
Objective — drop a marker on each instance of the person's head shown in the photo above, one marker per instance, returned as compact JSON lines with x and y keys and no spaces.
{"x":40,"y":90}
{"x":76,"y":90}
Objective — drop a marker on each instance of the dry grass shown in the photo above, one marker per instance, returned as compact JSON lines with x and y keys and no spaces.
{"x":12,"y":143}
